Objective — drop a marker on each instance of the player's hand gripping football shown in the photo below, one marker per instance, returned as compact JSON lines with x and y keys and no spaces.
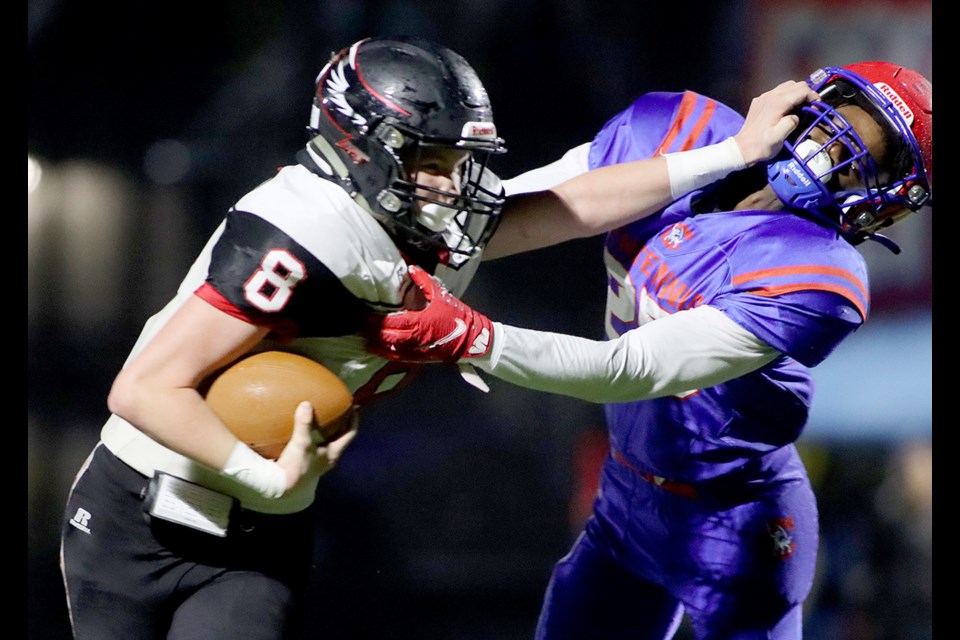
{"x":444,"y":330}
{"x":306,"y":452}
{"x":770,"y":119}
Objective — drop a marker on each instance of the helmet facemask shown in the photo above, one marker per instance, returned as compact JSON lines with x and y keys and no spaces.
{"x":456,"y":224}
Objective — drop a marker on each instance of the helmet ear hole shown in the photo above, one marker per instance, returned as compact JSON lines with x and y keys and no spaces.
{"x":390,"y":136}
{"x":389,"y":201}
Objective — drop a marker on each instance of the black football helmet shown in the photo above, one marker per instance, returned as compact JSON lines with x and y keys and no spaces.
{"x":900,"y":100}
{"x":378,"y":104}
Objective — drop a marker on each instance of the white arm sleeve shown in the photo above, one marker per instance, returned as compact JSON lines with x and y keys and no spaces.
{"x":687,"y":350}
{"x":571,"y":164}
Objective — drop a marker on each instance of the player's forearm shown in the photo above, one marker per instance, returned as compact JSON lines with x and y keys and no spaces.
{"x":607,"y":197}
{"x":584,"y":206}
{"x":686,"y":351}
{"x":177,"y":418}
{"x":534,"y":221}
{"x":156,"y":390}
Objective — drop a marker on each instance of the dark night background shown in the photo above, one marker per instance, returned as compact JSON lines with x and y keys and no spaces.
{"x":445,"y":516}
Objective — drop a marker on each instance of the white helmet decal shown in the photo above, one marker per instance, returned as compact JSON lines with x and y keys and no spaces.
{"x":897,"y":101}
{"x":338,"y":84}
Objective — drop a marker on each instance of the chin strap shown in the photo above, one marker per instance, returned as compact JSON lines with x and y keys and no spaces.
{"x":820,"y":217}
{"x":885,"y":241}
{"x":317,"y":166}
{"x":317,"y":163}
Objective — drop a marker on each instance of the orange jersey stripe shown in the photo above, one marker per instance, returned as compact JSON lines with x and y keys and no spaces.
{"x":769,"y":292}
{"x":686,"y":108}
{"x":701,"y":124}
{"x":687,"y":103}
{"x":803,"y":269}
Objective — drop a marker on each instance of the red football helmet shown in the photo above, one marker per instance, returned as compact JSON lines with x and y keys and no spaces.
{"x":901,"y":101}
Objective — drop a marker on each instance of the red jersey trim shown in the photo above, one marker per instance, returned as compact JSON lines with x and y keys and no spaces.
{"x":860,"y":300}
{"x":687,"y":104}
{"x":769,"y":292}
{"x":803,"y":269}
{"x":215,"y":299}
{"x":684,"y":111}
{"x":282,"y":330}
{"x":702,"y":123}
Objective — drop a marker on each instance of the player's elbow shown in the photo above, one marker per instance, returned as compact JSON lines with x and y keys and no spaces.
{"x":119,"y":397}
{"x":122,"y":399}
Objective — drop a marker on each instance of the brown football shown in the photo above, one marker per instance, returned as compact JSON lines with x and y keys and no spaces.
{"x":257,"y":395}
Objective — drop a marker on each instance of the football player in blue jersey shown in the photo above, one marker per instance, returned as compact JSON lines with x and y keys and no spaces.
{"x":718,"y":305}
{"x":174,"y":528}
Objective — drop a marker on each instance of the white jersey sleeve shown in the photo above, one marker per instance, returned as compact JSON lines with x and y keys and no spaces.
{"x":324,"y":219}
{"x":687,"y":350}
{"x":315,"y":221}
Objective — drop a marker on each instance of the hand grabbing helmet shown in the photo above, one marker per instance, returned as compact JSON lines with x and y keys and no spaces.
{"x":382,"y":102}
{"x":804,"y":176}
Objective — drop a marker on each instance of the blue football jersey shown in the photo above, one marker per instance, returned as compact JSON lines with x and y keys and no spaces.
{"x":790,"y":281}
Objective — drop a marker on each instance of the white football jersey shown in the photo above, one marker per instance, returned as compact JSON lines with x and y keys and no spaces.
{"x":296,"y":254}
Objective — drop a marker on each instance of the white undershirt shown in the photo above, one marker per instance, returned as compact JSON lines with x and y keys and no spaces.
{"x":572,"y":164}
{"x":687,"y":350}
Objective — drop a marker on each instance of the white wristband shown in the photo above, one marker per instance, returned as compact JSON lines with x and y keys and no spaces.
{"x":689,"y":170}
{"x":248,"y":467}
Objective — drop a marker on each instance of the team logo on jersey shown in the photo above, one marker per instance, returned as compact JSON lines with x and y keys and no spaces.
{"x":676,"y":235}
{"x":81,"y":520}
{"x":783,"y":544}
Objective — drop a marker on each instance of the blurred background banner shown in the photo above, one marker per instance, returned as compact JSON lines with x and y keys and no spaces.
{"x":146,"y":121}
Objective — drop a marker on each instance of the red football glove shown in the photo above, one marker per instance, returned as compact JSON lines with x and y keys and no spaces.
{"x":445,"y":330}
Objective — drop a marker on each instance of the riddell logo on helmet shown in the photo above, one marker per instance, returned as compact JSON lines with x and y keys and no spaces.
{"x":479,"y":130}
{"x":794,"y":168}
{"x":897,"y":101}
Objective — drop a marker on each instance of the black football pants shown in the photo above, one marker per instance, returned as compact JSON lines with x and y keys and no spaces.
{"x":130,"y":576}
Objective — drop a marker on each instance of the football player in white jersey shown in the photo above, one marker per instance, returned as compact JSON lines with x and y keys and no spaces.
{"x":394,"y":173}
